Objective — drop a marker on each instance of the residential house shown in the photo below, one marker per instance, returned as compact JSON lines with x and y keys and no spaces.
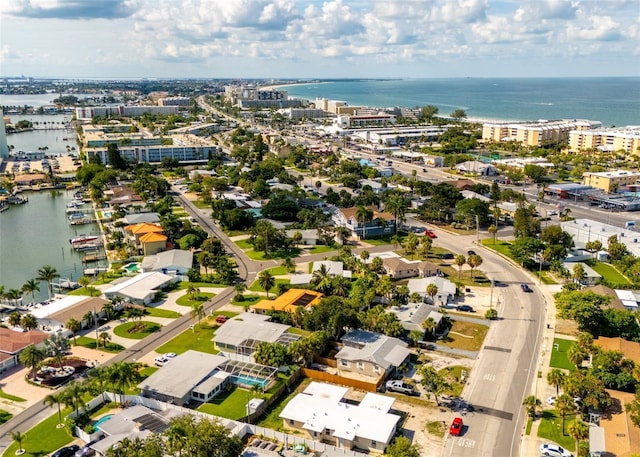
{"x":630,"y":349}
{"x":174,"y":262}
{"x":376,"y":186}
{"x":140,"y":289}
{"x":309,"y":236}
{"x":141,"y":218}
{"x":616,"y":302}
{"x":591,"y":277}
{"x":289,"y":302}
{"x":370,"y":354}
{"x":398,"y":268}
{"x":446,"y":289}
{"x":460,"y":184}
{"x":147,"y":238}
{"x":56,"y":314}
{"x":242,"y":334}
{"x":12,"y":342}
{"x":412,"y":316}
{"x":382,"y":223}
{"x":320,"y":413}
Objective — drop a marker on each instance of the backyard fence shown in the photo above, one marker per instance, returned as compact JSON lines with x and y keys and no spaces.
{"x":341,"y":380}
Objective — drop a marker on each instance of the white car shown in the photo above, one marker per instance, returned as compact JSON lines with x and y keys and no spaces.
{"x":170,"y":355}
{"x":551,"y":401}
{"x":160,"y":361}
{"x":553,"y":450}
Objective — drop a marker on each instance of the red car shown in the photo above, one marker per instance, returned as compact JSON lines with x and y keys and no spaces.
{"x":430,"y":234}
{"x":456,"y":427}
{"x":221,"y":319}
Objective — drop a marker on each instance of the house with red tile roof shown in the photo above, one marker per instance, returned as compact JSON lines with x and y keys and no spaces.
{"x":13,"y":342}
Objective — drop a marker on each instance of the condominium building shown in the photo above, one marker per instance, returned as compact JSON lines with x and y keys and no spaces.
{"x":613,"y":139}
{"x":89,"y":112}
{"x":540,"y":133}
{"x":610,"y":181}
{"x":174,"y":101}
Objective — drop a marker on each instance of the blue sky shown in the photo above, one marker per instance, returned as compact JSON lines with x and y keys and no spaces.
{"x":319,"y":39}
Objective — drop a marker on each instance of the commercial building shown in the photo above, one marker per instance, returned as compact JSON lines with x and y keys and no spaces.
{"x":535,"y":134}
{"x":303,"y":113}
{"x":585,"y":230}
{"x":320,"y":413}
{"x":626,"y":139}
{"x":610,"y":181}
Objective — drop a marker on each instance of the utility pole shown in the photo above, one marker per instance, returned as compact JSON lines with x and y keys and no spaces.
{"x":477,"y":229}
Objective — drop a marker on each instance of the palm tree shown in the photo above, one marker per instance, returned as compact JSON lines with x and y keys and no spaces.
{"x":459,"y":261}
{"x":576,"y":355}
{"x":289,"y":264}
{"x":532,"y":403}
{"x":72,"y":396}
{"x":84,"y":281}
{"x":32,"y":356}
{"x":122,"y":375}
{"x":342,"y":233}
{"x":48,"y":273}
{"x":564,"y":405}
{"x":104,"y":337}
{"x":432,"y":290}
{"x":192,"y":291}
{"x":474,"y":261}
{"x":98,"y":378}
{"x":18,"y":437}
{"x":395,"y":240}
{"x":109,"y":309}
{"x":53,"y":399}
{"x":266,"y":281}
{"x":28,"y":322}
{"x":396,"y":205}
{"x":31,"y":287}
{"x":240,"y":289}
{"x":493,"y":230}
{"x":429,"y":326}
{"x":197,"y":311}
{"x":556,"y":377}
{"x":364,"y":215}
{"x":579,"y":431}
{"x":578,"y":273}
{"x":74,"y":326}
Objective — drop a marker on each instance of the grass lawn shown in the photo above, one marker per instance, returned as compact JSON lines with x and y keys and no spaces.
{"x":479,"y":278}
{"x":322,"y":248}
{"x":609,"y":273}
{"x":159,"y":312}
{"x":299,"y":331}
{"x":244,"y":244}
{"x":230,"y":404}
{"x":529,"y":425}
{"x":184,"y":285}
{"x":278,"y":271}
{"x":248,"y":300}
{"x":198,"y":339}
{"x":186,"y":300}
{"x":377,"y":241}
{"x":90,"y":343}
{"x":136,"y":330}
{"x":272,"y":419}
{"x":147,"y":371}
{"x":44,"y":438}
{"x":453,"y":374}
{"x":4,"y":416}
{"x":256,"y":287}
{"x":85,"y":291}
{"x":229,"y":314}
{"x":10,"y":397}
{"x":465,"y":335}
{"x":200,"y":204}
{"x":559,"y":356}
{"x":436,"y":428}
{"x":500,"y":246}
{"x":550,"y":428}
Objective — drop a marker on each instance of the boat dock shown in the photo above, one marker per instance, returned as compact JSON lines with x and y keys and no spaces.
{"x":94,"y":257}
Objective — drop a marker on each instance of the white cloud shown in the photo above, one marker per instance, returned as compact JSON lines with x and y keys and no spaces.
{"x":601,"y":28}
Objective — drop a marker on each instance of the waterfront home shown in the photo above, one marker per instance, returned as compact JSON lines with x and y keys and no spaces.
{"x":141,"y":218}
{"x":289,"y":302}
{"x":370,"y":354}
{"x":147,"y":238}
{"x":12,"y":342}
{"x":26,"y":180}
{"x":174,"y":262}
{"x":382,"y":223}
{"x":321,"y":413}
{"x":53,"y":315}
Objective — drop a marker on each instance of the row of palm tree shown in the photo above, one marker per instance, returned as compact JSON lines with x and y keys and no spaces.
{"x":46,"y":273}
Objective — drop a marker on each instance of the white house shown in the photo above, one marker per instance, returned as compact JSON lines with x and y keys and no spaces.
{"x":174,"y":262}
{"x":141,"y":289}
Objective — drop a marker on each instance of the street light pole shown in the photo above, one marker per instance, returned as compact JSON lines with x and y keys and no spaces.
{"x":477,"y":229}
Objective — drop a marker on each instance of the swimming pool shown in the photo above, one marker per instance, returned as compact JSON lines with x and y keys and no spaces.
{"x":107,"y":214}
{"x":102,"y":420}
{"x":250,"y":381}
{"x":132,"y":267}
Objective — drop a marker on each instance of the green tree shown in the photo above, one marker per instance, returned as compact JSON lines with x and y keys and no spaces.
{"x":103,"y":338}
{"x":396,"y":204}
{"x":19,"y":438}
{"x":28,"y":322}
{"x":197,"y":311}
{"x":53,"y":399}
{"x":579,"y":431}
{"x":402,"y":447}
{"x":31,"y":287}
{"x":474,"y":261}
{"x":556,"y":378}
{"x":491,"y":314}
{"x":240,"y":288}
{"x":429,"y":112}
{"x":432,"y":291}
{"x":532,"y":404}
{"x":411,"y":244}
{"x":564,"y":405}
{"x":364,"y":215}
{"x":32,"y":356}
{"x":493,"y":231}
{"x":74,"y":326}
{"x":535,"y":172}
{"x":72,"y":395}
{"x":266,"y":281}
{"x":271,"y":354}
{"x":433,"y":381}
{"x":458,"y":115}
{"x":523,"y":249}
{"x":459,"y":261}
{"x":48,"y":273}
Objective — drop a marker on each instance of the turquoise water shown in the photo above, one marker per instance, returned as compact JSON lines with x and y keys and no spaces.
{"x":249,"y":381}
{"x":612,"y":101}
{"x":103,"y":419}
{"x":132,"y":267}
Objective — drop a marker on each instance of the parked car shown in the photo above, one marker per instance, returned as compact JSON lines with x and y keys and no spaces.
{"x":170,"y":355}
{"x":221,"y":319}
{"x":447,"y":256}
{"x":466,"y":308}
{"x":526,"y":288}
{"x":67,"y":451}
{"x":160,"y":361}
{"x":553,"y":450}
{"x":456,"y":427}
{"x":471,"y":252}
{"x":424,"y":170}
{"x":86,"y":451}
{"x":399,"y":386}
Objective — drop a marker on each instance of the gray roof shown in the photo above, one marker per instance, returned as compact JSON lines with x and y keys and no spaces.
{"x":249,"y":326}
{"x":182,"y":374}
{"x":140,"y":218}
{"x":167,"y":259}
{"x":362,"y":345}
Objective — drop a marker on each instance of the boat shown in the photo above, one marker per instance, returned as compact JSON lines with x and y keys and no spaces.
{"x":83,"y":239}
{"x":87,"y":246}
{"x":75,"y":216}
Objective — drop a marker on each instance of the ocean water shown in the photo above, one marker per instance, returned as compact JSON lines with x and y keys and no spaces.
{"x":612,"y":101}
